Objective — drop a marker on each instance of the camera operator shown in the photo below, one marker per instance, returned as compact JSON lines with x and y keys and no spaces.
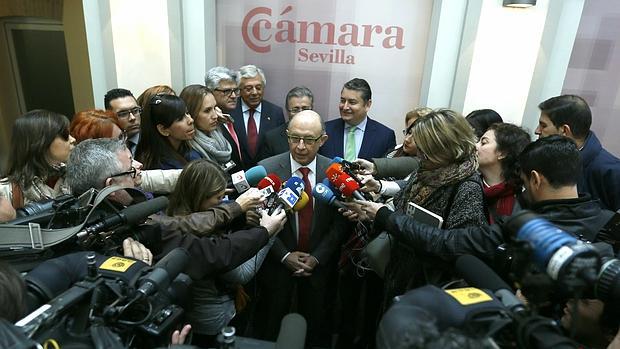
{"x":549,"y":169}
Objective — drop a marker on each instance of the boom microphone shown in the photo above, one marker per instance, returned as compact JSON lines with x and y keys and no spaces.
{"x":479,"y":275}
{"x":164,"y":272}
{"x":324,"y":194}
{"x":292,"y":333}
{"x":134,"y":214}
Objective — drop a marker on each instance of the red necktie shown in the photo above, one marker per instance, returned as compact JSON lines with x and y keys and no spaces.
{"x":305,"y":215}
{"x":233,"y":134}
{"x":252,"y":134}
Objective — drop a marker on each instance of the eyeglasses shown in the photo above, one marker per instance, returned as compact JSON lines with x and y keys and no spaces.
{"x":228,"y":91}
{"x":299,"y":109}
{"x":408,"y":132}
{"x":307,"y":140}
{"x":133,"y":172}
{"x":125,"y":113}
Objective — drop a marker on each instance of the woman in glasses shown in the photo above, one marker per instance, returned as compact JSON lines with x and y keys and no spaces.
{"x":209,"y":140}
{"x":165,"y":133}
{"x":216,"y":299}
{"x":40,"y":147}
{"x":95,"y":123}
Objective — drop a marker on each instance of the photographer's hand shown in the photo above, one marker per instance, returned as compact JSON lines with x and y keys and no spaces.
{"x":249,"y":200}
{"x":178,"y":337}
{"x":134,"y":249}
{"x":273,"y":223}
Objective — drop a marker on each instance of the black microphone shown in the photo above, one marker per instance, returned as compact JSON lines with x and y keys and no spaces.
{"x":164,"y":272}
{"x":479,"y":275}
{"x":292,"y":333}
{"x":134,"y":214}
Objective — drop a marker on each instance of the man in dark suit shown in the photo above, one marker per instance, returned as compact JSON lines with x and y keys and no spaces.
{"x":253,"y":115}
{"x":223,"y":83}
{"x":354,"y":134}
{"x":304,"y":252}
{"x":298,"y":99}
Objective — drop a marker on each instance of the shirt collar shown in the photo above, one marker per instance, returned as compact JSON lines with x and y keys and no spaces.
{"x":245,"y":107}
{"x":296,"y":165}
{"x":361,"y":125}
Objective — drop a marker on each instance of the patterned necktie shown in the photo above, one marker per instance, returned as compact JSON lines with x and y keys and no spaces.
{"x":305,"y":214}
{"x":252,"y":134}
{"x":349,"y":149}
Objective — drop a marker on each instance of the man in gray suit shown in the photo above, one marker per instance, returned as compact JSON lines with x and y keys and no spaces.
{"x":305,"y":250}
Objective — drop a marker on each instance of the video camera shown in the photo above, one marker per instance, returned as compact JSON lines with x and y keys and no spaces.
{"x":545,"y":258}
{"x":116,"y":302}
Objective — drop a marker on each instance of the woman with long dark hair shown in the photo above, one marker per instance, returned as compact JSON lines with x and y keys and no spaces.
{"x":40,"y":147}
{"x":165,"y":133}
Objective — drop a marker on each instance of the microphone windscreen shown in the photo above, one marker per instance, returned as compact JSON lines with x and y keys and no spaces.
{"x":333,"y":171}
{"x":477,"y":274}
{"x":337,"y":160}
{"x":346,"y":184}
{"x":302,"y":202}
{"x":323,"y":194}
{"x":296,"y":184}
{"x":136,"y":214}
{"x":255,"y":174}
{"x":270,"y":180}
{"x":292,"y":332}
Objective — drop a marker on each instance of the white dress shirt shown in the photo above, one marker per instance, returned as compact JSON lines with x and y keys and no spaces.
{"x":246,"y":115}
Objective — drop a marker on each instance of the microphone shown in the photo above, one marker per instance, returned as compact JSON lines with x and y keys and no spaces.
{"x":478,"y":274}
{"x":134,"y":214}
{"x":164,"y":272}
{"x":243,"y":180}
{"x":324,"y":194}
{"x":348,"y":186}
{"x":270,"y":184}
{"x":351,"y":166}
{"x":304,"y":199}
{"x":289,"y":194}
{"x":292,"y":333}
{"x":255,"y":174}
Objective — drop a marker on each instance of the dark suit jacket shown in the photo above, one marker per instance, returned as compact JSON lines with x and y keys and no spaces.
{"x":275,"y":142}
{"x":328,"y":226}
{"x":378,"y":139}
{"x":271,"y":116}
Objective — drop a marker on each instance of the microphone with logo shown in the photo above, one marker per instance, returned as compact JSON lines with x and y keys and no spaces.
{"x":244,"y":180}
{"x":324,"y":194}
{"x":289,"y":194}
{"x":343,"y":182}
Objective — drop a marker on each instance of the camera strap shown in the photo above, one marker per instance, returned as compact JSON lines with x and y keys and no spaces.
{"x":19,"y":238}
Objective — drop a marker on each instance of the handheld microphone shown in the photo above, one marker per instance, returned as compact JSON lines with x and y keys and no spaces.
{"x":134,"y":214}
{"x":324,"y":194}
{"x":478,"y":274}
{"x":269,"y":185}
{"x":164,"y":272}
{"x":348,"y":186}
{"x":292,"y":333}
{"x":289,"y":194}
{"x":351,"y":166}
{"x":255,"y":174}
{"x":304,"y":199}
{"x":243,"y":180}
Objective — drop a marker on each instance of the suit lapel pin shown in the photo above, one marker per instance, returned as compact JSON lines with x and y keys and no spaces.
{"x":269,"y":118}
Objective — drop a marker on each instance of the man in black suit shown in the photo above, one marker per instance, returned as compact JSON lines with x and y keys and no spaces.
{"x":354,"y":134}
{"x":298,"y":99}
{"x":253,"y":115}
{"x":304,"y":252}
{"x":223,"y":83}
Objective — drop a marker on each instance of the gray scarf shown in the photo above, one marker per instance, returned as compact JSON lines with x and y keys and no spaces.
{"x":212,"y":146}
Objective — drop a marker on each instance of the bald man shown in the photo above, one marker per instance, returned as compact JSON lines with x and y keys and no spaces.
{"x":305,"y":250}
